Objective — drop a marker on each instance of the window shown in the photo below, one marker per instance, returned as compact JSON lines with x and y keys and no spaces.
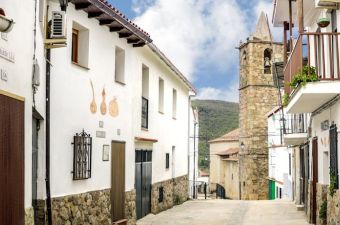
{"x":80,"y":45}
{"x":167,"y":161}
{"x":174,"y":103}
{"x":160,"y":194}
{"x":145,"y":97}
{"x":161,"y":95}
{"x":119,"y":65}
{"x":82,"y":156}
{"x":267,"y":57}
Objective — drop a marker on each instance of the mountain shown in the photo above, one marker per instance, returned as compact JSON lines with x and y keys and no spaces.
{"x":215,"y":119}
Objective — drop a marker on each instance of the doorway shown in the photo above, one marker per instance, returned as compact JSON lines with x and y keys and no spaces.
{"x":12,"y":161}
{"x":35,"y":130}
{"x":143,"y":175}
{"x":118,"y":181}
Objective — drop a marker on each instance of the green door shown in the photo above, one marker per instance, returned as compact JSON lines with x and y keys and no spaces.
{"x":271,"y":187}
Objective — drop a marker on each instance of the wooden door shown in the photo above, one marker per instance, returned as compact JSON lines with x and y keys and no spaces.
{"x":315,"y":177}
{"x":12,"y":162}
{"x":118,"y":181}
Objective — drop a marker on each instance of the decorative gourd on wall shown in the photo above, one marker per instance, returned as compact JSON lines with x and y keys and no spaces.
{"x":103,"y":108}
{"x":113,"y":107}
{"x":93,"y":105}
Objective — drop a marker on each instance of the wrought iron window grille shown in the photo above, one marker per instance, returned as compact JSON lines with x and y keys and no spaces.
{"x":145,"y":113}
{"x":160,"y":194}
{"x":82,"y":156}
{"x":334,"y":167}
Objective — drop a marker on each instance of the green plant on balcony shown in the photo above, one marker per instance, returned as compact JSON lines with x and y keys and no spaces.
{"x":285,"y":100}
{"x":302,"y":78}
{"x":323,"y":211}
{"x":333,"y":182}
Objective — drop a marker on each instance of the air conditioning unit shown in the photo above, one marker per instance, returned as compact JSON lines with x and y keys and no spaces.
{"x":58,"y":26}
{"x":327,"y":4}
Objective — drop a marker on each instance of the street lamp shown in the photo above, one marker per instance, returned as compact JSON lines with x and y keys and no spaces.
{"x":6,"y":24}
{"x":242,"y":146}
{"x":63,"y":5}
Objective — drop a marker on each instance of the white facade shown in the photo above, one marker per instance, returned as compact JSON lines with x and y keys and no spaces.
{"x":279,"y":158}
{"x":71,"y":97}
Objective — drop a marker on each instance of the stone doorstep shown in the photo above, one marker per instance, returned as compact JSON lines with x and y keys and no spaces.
{"x":300,"y":207}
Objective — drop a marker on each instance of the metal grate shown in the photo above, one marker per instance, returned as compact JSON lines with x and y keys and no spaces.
{"x":333,"y":134}
{"x":82,"y":156}
{"x":160,"y":194}
{"x":145,"y":112}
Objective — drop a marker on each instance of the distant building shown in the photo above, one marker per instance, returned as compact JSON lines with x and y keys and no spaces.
{"x":224,"y":164}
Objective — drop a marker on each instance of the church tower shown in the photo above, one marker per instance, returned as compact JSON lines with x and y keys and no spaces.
{"x":258,"y":96}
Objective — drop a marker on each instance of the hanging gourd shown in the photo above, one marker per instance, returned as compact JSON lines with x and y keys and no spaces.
{"x":113,"y":108}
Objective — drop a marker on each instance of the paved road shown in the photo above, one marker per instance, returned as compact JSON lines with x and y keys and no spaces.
{"x":228,"y":212}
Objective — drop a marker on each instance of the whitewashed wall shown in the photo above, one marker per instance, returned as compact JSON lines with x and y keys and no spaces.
{"x":193,"y":163}
{"x":71,"y":96}
{"x":278,"y":157}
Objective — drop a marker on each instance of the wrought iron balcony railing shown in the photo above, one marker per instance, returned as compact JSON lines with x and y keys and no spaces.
{"x":319,"y":51}
{"x":295,"y":124}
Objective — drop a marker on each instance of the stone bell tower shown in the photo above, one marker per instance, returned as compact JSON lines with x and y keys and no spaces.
{"x":258,"y":96}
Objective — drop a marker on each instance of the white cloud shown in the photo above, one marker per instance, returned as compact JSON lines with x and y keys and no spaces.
{"x":229,"y":94}
{"x":196,"y":34}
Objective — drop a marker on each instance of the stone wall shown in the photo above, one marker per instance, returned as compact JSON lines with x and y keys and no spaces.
{"x":90,"y":208}
{"x":258,"y":96}
{"x":130,"y":207}
{"x":175,"y":191}
{"x":321,"y":196}
{"x":333,"y":209}
{"x":29,"y":216}
{"x":309,"y":202}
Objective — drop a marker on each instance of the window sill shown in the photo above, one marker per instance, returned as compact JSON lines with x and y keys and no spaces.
{"x":160,"y":112}
{"x":174,"y":118}
{"x":120,"y":82}
{"x":145,"y":129}
{"x":83,"y":67}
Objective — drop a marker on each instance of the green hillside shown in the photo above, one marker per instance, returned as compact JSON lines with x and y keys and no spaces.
{"x":215,"y":119}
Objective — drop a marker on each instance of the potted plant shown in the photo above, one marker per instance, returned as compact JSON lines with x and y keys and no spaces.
{"x":302,"y":77}
{"x":323,"y":22}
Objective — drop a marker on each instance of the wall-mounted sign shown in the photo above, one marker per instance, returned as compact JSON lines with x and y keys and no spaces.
{"x":100,"y":134}
{"x":325,"y":125}
{"x":8,"y":55}
{"x":3,"y":75}
{"x":4,"y":36}
{"x":101,"y":124}
{"x":106,"y":152}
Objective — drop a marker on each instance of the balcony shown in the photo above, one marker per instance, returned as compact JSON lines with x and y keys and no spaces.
{"x":318,"y":54}
{"x":295,"y":129}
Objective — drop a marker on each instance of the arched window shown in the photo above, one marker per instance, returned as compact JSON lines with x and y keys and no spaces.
{"x":267,"y":61}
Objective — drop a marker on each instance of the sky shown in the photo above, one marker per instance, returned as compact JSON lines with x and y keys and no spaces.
{"x":200,"y":37}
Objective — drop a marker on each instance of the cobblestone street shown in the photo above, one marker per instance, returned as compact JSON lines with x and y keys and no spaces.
{"x":228,"y":212}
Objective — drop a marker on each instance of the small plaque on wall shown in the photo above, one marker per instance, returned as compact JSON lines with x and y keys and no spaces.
{"x":106,"y":152}
{"x":100,"y":134}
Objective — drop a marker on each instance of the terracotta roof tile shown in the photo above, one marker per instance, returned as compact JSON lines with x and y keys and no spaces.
{"x":231,"y":136}
{"x":229,"y":151}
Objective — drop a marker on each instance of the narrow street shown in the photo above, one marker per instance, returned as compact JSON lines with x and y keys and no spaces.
{"x":228,"y":212}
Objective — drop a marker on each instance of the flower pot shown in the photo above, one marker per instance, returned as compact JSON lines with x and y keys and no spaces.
{"x":323,"y":22}
{"x":6,"y":24}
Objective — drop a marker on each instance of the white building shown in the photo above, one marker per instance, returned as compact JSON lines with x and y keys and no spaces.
{"x":279,"y":158}
{"x":119,"y":117}
{"x":317,"y":50}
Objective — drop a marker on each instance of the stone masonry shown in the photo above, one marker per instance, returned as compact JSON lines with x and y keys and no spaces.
{"x":321,"y":196}
{"x":258,"y":96}
{"x":175,"y":191}
{"x":333,"y":209}
{"x":29,"y":216}
{"x":90,"y":208}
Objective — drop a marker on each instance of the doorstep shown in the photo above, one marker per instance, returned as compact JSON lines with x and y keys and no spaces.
{"x":300,"y":207}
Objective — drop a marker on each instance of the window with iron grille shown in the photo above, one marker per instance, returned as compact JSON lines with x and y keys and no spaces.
{"x":145,"y":112}
{"x":333,"y":139}
{"x":82,"y":156}
{"x":167,"y":161}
